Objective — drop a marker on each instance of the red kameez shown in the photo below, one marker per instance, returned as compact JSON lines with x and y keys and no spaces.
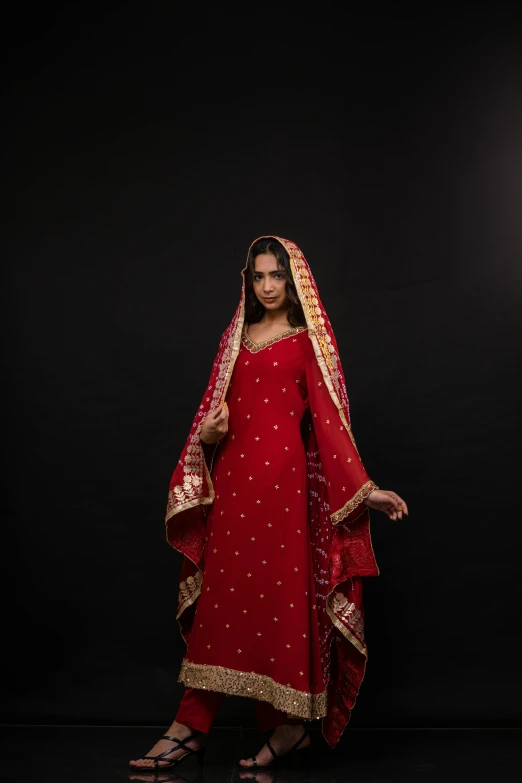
{"x":277,"y":536}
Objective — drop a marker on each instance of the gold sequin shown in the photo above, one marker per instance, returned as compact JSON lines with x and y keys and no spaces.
{"x":275,"y":619}
{"x":352,"y":504}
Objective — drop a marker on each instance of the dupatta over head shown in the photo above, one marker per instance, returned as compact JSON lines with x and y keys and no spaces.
{"x":346,"y":531}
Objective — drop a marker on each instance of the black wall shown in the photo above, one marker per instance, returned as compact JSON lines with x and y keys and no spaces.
{"x":147,"y":150}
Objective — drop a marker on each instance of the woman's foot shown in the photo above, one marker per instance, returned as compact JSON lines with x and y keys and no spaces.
{"x":177,"y":730}
{"x":282,"y":740}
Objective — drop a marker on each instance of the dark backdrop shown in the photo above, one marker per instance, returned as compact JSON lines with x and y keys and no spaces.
{"x":147,"y":150}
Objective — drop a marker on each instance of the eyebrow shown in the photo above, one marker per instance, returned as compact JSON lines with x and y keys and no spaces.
{"x":275,"y":272}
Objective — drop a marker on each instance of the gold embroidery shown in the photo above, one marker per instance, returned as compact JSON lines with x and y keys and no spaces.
{"x":337,"y":607}
{"x":352,"y":504}
{"x":189,"y":591}
{"x":292,"y":702}
{"x":254,"y":347}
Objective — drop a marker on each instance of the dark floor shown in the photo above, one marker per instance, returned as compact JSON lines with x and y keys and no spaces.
{"x":100,"y":755}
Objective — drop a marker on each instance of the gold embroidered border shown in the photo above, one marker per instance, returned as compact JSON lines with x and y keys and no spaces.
{"x":352,"y":504}
{"x":254,"y":347}
{"x":331,"y":605}
{"x":189,"y":590}
{"x":296,"y":704}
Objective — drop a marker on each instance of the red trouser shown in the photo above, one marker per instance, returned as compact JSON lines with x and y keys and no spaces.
{"x":198,"y":709}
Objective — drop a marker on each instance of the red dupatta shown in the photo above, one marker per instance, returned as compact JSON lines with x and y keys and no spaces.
{"x":350,"y":554}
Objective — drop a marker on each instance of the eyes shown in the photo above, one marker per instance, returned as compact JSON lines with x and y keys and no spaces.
{"x":276,"y":276}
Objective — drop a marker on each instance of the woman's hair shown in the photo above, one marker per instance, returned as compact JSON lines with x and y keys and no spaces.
{"x":254,"y":310}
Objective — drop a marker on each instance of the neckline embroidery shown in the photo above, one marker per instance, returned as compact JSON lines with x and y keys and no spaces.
{"x":254,"y":347}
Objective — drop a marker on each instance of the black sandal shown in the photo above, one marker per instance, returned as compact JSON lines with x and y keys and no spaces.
{"x":255,"y":765}
{"x":198,"y":752}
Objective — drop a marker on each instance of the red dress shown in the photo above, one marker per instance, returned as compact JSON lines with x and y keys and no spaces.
{"x":256,"y":627}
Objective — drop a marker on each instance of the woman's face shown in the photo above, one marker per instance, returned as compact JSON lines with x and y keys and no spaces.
{"x":269,"y":282}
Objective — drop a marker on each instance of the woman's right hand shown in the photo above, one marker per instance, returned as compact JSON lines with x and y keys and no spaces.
{"x":215,"y":425}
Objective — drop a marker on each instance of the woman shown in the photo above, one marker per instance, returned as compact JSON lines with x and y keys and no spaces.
{"x":269,"y":505}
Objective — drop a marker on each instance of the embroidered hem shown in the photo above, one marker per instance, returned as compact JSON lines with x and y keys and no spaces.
{"x":352,"y":504}
{"x":296,"y":704}
{"x":189,"y":592}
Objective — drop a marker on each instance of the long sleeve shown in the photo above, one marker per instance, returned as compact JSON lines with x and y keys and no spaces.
{"x":347,"y":482}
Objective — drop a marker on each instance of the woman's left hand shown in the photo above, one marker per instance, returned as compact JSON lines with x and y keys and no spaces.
{"x":387,"y":501}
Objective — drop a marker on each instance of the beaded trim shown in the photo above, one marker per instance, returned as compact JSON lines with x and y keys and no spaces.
{"x":254,"y":347}
{"x":352,"y":504}
{"x":296,"y":704}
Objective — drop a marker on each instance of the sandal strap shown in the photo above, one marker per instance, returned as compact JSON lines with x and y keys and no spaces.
{"x":270,"y":748}
{"x":294,"y":747}
{"x":180,"y":744}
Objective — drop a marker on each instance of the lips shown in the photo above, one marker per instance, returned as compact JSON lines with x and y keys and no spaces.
{"x":269,"y":298}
